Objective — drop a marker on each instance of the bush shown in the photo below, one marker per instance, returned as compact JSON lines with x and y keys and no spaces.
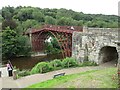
{"x":41,"y":67}
{"x":23,"y":73}
{"x":69,"y":62}
{"x":34,"y":70}
{"x":56,"y":64}
{"x":88,"y":63}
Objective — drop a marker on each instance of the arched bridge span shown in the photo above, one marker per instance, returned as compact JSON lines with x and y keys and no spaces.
{"x":63,"y":35}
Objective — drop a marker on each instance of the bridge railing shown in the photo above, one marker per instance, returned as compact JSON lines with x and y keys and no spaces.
{"x":64,"y":27}
{"x":56,"y":28}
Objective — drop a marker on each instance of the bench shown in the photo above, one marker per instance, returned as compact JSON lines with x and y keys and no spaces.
{"x":60,"y":74}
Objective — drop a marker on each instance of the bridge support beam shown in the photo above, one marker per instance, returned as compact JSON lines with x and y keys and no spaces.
{"x":64,"y":41}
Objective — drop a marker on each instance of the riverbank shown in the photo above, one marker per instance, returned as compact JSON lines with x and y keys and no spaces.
{"x":8,"y":82}
{"x":38,"y":54}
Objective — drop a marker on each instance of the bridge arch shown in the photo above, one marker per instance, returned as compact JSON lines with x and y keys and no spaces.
{"x":46,"y":36}
{"x":108,"y":53}
{"x":63,"y":35}
{"x":64,"y":41}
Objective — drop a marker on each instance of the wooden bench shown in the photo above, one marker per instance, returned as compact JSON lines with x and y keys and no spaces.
{"x":57,"y":75}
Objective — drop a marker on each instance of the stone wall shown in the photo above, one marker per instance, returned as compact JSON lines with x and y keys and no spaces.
{"x":90,"y":41}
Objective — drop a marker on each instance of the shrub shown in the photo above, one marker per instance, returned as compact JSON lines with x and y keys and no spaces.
{"x":34,"y":70}
{"x":88,"y":63}
{"x":69,"y":62}
{"x":23,"y":73}
{"x":56,"y":64}
{"x":41,"y":67}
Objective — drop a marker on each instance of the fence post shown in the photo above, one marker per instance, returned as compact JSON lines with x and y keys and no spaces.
{"x":14,"y":74}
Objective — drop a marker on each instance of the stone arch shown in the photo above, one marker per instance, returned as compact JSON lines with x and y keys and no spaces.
{"x":107,"y":53}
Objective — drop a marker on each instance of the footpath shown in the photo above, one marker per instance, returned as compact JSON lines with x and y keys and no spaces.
{"x":8,"y":82}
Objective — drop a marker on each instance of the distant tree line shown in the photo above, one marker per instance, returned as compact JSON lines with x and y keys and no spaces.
{"x":15,"y":21}
{"x":29,"y":17}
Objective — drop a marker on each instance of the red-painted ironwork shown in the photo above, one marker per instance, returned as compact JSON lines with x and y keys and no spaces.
{"x":63,"y":35}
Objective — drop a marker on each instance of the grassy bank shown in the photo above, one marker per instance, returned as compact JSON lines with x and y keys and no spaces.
{"x":91,"y":79}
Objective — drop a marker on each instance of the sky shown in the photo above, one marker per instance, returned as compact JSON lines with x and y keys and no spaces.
{"x":108,"y":7}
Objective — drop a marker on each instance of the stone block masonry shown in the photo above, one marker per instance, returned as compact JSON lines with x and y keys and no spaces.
{"x":91,"y":41}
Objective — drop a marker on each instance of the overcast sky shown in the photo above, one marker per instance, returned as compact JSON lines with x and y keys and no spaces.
{"x":109,"y":7}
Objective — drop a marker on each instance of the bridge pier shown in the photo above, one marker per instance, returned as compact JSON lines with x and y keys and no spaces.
{"x":95,"y":39}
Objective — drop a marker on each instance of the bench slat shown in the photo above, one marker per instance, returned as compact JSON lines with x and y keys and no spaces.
{"x":60,"y":74}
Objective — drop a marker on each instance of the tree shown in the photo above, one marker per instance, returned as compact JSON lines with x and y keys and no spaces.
{"x":14,"y":44}
{"x":7,"y":12}
{"x":9,"y":43}
{"x":77,"y":16}
{"x":50,"y":20}
{"x":23,"y":46}
{"x":49,"y":12}
{"x":1,"y":18}
{"x":9,"y":23}
{"x":64,"y":13}
{"x":65,"y":21}
{"x":24,"y":13}
{"x":28,"y":24}
{"x":38,"y":16}
{"x":52,"y":47}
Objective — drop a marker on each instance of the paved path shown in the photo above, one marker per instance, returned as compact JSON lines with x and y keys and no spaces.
{"x":4,"y":72}
{"x":8,"y":82}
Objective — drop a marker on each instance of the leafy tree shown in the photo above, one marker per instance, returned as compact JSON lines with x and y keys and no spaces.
{"x":1,"y":19}
{"x":52,"y":47}
{"x":64,"y":13}
{"x":65,"y":21}
{"x":9,"y":23}
{"x":50,"y":20}
{"x":14,"y":44}
{"x":38,"y":16}
{"x":49,"y":12}
{"x":58,"y":16}
{"x":23,"y":45}
{"x":55,"y":43}
{"x":9,"y":43}
{"x":28,"y":24}
{"x":77,"y":16}
{"x":7,"y":12}
{"x":24,"y":13}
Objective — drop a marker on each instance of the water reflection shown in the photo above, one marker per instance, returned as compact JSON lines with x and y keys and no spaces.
{"x":29,"y":62}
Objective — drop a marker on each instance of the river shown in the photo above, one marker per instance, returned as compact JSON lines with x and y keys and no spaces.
{"x":29,"y":62}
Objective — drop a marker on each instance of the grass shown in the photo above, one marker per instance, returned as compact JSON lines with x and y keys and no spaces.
{"x":88,"y":79}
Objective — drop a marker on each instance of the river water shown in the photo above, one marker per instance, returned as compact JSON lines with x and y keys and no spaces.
{"x":29,"y":62}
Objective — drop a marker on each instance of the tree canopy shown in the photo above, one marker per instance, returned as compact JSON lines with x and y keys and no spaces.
{"x":57,"y":17}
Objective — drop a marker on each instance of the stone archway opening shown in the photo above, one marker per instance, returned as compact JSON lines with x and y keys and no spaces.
{"x":107,"y":54}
